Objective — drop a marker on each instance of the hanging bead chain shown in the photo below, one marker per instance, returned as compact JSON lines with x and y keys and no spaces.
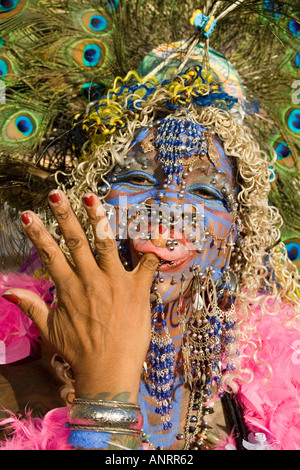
{"x":206,"y":336}
{"x":178,"y":138}
{"x":162,"y":360}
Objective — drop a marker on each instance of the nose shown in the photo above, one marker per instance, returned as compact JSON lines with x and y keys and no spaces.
{"x":172,"y":193}
{"x":173,"y":219}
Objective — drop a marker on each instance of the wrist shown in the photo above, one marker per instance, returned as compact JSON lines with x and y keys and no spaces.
{"x":107,"y":388}
{"x":98,"y":423}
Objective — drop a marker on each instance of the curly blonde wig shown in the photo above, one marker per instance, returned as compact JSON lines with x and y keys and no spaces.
{"x":262,"y":264}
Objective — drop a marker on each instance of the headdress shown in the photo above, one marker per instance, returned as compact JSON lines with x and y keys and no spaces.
{"x":233,"y":64}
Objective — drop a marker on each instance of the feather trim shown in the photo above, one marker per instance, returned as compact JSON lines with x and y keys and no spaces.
{"x":18,"y":334}
{"x":271,"y":401}
{"x":48,"y":433}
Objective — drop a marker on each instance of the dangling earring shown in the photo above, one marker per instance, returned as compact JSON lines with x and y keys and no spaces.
{"x":162,"y":360}
{"x":227,"y":287}
{"x":206,"y":337}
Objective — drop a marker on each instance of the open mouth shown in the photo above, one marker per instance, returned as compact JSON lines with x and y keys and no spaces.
{"x":170,"y":261}
{"x":174,"y":266}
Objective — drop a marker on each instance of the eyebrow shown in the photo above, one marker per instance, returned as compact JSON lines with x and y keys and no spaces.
{"x":229,"y":177}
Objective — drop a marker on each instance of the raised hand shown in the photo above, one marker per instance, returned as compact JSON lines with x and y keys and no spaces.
{"x":101,"y":323}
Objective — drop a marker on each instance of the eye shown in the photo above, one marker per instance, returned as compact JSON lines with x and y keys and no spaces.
{"x":138,"y":179}
{"x":206,"y":192}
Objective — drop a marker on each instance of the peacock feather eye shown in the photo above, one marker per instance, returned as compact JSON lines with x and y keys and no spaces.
{"x":25,"y":125}
{"x":283,"y":153}
{"x":6,"y":69}
{"x":8,"y":5}
{"x":292,"y":119}
{"x":20,"y":126}
{"x":273,"y":9}
{"x":96,"y":22}
{"x":273,"y":176}
{"x":294,"y":27}
{"x":297,"y":60}
{"x":92,"y":91}
{"x":89,"y":53}
{"x":113,"y":4}
{"x":293,"y":250}
{"x":9,"y":8}
{"x":3,"y":68}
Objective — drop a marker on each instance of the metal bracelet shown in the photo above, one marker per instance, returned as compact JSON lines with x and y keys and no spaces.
{"x":105,"y":416}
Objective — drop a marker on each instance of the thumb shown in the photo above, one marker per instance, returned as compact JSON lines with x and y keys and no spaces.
{"x":31,"y":305}
{"x":147,"y":267}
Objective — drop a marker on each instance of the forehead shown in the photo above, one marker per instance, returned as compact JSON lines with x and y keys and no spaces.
{"x":144,"y":154}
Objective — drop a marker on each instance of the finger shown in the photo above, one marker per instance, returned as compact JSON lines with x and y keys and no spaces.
{"x":146,"y":268}
{"x":105,"y":242}
{"x":74,"y":236}
{"x":32,"y":306}
{"x":52,"y":258}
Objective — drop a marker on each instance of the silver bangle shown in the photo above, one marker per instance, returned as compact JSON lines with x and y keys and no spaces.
{"x":105,"y":416}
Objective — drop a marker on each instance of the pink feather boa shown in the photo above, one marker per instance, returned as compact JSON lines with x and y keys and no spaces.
{"x":18,"y":334}
{"x":48,"y":433}
{"x":271,"y":408}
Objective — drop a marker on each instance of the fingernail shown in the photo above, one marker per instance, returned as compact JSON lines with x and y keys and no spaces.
{"x":88,"y":200}
{"x":11,"y":297}
{"x":55,"y":197}
{"x":26,"y":218}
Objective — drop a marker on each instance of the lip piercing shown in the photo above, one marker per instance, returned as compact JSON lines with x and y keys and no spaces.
{"x":171,"y":244}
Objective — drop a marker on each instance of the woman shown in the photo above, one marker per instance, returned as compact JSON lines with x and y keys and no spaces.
{"x":172,"y":349}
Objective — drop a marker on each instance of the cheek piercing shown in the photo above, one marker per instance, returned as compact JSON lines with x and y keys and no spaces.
{"x":103,"y":190}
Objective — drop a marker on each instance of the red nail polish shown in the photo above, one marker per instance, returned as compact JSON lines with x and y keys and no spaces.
{"x":161,"y":230}
{"x":11,"y":298}
{"x":55,"y":197}
{"x":88,"y":199}
{"x":26,"y":218}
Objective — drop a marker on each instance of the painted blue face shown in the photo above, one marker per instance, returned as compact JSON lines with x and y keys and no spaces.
{"x":188,"y":221}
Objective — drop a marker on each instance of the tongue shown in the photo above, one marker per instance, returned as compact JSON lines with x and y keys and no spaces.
{"x":146,"y":246}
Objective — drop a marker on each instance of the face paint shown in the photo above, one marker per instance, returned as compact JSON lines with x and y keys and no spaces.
{"x":188,"y":217}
